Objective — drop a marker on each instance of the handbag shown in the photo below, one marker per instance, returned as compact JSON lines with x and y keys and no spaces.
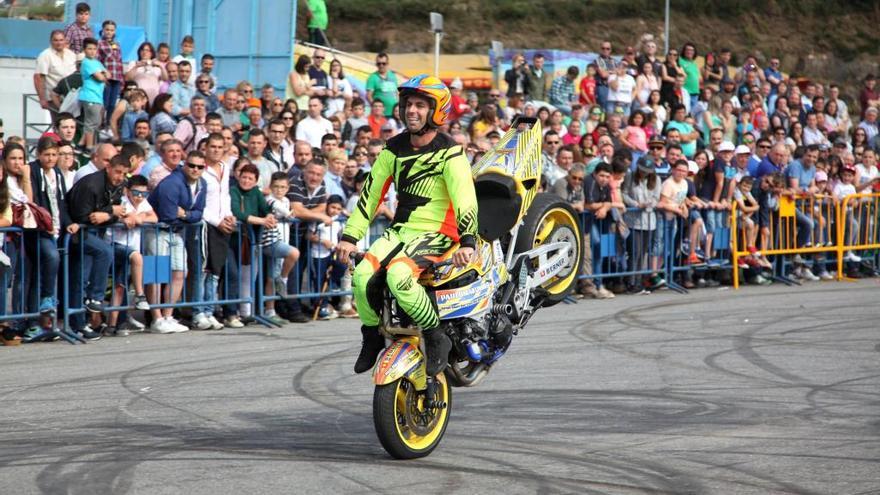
{"x":245,"y":240}
{"x":31,"y":216}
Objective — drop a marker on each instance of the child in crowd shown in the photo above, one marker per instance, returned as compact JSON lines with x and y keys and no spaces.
{"x":127,"y":259}
{"x":187,"y":46}
{"x":110,"y":55}
{"x":131,"y":113}
{"x":279,"y":185}
{"x":844,"y":188}
{"x":746,"y":208}
{"x":323,"y":242}
{"x":91,"y":95}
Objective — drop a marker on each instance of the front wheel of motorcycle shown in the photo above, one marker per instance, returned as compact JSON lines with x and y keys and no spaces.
{"x":551,"y":220}
{"x":409,"y":424}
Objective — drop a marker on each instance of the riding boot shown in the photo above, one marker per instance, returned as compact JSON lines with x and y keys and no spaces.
{"x":437,"y":347}
{"x":372,"y":345}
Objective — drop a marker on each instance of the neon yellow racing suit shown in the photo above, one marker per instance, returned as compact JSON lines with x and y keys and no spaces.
{"x":437,"y":207}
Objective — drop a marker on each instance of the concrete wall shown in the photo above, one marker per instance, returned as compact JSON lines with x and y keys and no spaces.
{"x":17,"y":79}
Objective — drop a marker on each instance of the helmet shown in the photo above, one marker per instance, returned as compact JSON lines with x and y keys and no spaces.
{"x":435,"y":91}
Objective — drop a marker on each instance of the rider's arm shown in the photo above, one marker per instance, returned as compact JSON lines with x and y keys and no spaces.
{"x":371,"y":197}
{"x":460,"y":185}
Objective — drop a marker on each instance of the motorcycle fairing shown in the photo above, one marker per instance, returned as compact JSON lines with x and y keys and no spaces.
{"x":471,"y":299}
{"x":402,"y":359}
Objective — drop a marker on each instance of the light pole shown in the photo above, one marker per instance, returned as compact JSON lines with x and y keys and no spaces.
{"x":437,"y":28}
{"x":666,"y":30}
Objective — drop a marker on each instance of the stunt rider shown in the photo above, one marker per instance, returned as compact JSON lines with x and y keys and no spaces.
{"x":437,"y":207}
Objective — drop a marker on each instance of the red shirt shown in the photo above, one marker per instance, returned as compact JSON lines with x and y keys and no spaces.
{"x":457,"y":106}
{"x":588,"y":91}
{"x":376,"y":125}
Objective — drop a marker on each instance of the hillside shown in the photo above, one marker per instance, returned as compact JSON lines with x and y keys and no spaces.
{"x":830,"y":40}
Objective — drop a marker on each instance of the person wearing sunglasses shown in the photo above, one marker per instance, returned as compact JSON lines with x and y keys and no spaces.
{"x":178,"y":201}
{"x":320,"y":81}
{"x":205,"y":89}
{"x":382,"y":84}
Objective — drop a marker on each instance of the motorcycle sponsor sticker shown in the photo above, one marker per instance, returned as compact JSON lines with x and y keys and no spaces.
{"x":552,"y":268}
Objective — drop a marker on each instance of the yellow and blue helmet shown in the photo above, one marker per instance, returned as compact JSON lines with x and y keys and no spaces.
{"x":434,"y":90}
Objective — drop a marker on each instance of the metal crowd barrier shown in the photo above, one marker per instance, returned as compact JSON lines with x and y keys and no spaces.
{"x":628,"y":254}
{"x":158,"y":269}
{"x":816,"y":227}
{"x":857,"y":230}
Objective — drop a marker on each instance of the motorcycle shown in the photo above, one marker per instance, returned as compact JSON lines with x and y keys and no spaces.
{"x":527,"y":257}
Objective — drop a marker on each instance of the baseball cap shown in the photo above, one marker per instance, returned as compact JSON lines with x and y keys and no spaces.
{"x":726,"y":146}
{"x":693,"y":168}
{"x":646,"y":165}
{"x":388,"y":126}
{"x":824,"y":147}
{"x":657,"y":139}
{"x":849,"y":168}
{"x":456,"y":84}
{"x":743,"y":150}
{"x":840,"y":142}
{"x":871,"y":110}
{"x":821,"y":176}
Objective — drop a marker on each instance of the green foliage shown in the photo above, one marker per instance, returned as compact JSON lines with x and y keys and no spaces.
{"x":548,"y":10}
{"x":43,"y":11}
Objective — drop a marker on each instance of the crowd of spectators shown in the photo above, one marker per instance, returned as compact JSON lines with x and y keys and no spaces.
{"x":648,"y":148}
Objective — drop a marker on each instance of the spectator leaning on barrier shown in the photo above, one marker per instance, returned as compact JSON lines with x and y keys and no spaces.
{"x":94,"y":202}
{"x":250,"y":207}
{"x":100,"y":160}
{"x":41,"y":247}
{"x":597,"y":202}
{"x":128,"y":262}
{"x":179,"y":201}
{"x":220,"y":224}
{"x":53,"y":64}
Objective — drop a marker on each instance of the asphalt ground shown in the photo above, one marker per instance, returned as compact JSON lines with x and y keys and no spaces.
{"x":761,"y":390}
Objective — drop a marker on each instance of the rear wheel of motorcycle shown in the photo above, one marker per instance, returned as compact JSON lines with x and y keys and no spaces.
{"x":405,"y":427}
{"x":550,"y":219}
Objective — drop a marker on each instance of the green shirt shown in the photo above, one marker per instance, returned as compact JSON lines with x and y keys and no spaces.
{"x":384,"y":89}
{"x":319,"y":14}
{"x":435,"y":190}
{"x":689,"y":149}
{"x":692,"y":75}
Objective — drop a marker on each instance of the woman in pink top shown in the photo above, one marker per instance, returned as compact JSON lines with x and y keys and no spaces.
{"x":146,"y":71}
{"x":634,"y":137}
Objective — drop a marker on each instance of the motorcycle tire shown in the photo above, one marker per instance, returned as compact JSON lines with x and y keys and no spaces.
{"x":550,"y":219}
{"x":405,"y":428}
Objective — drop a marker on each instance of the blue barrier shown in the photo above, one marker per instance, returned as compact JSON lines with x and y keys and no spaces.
{"x":642,"y":243}
{"x":164,"y":250}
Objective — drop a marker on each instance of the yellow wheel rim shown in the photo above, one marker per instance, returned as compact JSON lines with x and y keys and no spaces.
{"x":559,"y":223}
{"x":416,"y":427}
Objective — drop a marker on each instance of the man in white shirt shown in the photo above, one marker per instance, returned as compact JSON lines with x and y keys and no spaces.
{"x":312,"y":128}
{"x":53,"y":64}
{"x":220,"y":225}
